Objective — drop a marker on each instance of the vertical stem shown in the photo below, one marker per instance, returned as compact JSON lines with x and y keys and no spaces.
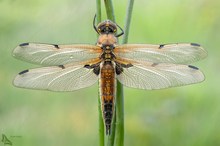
{"x":98,"y":11}
{"x":118,"y":119}
{"x":101,"y":124}
{"x":127,"y":21}
{"x":120,"y":97}
{"x":119,"y":139}
{"x":109,"y":10}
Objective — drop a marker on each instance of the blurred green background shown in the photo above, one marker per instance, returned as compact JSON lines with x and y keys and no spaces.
{"x":183,"y":116}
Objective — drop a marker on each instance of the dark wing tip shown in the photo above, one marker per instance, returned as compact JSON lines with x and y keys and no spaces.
{"x":161,"y":46}
{"x":24,"y":44}
{"x":23,"y":72}
{"x":61,"y":66}
{"x":195,"y":44}
{"x":56,"y":46}
{"x":193,"y":67}
{"x":154,"y":64}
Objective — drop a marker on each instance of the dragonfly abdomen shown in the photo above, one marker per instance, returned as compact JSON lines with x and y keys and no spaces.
{"x":107,"y":92}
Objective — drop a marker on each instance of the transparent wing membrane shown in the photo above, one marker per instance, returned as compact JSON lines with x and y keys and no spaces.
{"x":56,"y":78}
{"x":142,"y":66}
{"x":49,"y":55}
{"x":159,"y":76}
{"x":170,"y":53}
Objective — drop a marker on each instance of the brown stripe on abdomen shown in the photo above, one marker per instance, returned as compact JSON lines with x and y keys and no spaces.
{"x":107,"y":93}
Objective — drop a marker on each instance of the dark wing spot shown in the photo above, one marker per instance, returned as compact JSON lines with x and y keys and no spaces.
{"x":56,"y":46}
{"x":154,"y":64}
{"x":96,"y":70}
{"x":126,"y":65}
{"x":119,"y":67}
{"x":88,"y":66}
{"x":193,"y":67}
{"x":194,"y":44}
{"x":23,"y":72}
{"x":24,"y":44}
{"x":161,"y":46}
{"x":61,"y":66}
{"x":119,"y":70}
{"x":95,"y":67}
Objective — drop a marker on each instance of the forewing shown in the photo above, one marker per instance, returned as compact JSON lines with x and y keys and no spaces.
{"x":59,"y":78}
{"x":158,"y":76}
{"x":170,"y":53}
{"x":48,"y":54}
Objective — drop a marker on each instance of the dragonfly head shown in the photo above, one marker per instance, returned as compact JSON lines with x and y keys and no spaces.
{"x":107,"y":27}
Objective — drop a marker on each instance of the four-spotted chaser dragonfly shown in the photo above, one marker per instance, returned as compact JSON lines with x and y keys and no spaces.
{"x":142,"y":66}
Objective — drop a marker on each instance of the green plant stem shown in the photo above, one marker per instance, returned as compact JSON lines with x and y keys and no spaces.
{"x":119,"y":139}
{"x":98,"y":11}
{"x":101,"y":124}
{"x":109,"y":10}
{"x":127,"y":21}
{"x":120,"y":97}
{"x":118,"y":119}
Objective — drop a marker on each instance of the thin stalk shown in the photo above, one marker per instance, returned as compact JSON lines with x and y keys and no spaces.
{"x":98,"y":11}
{"x":127,"y":21}
{"x":109,"y":10}
{"x":118,"y":119}
{"x":101,"y":124}
{"x":119,"y":107}
{"x":119,"y":140}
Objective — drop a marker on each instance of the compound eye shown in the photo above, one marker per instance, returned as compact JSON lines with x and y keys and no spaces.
{"x":112,"y":31}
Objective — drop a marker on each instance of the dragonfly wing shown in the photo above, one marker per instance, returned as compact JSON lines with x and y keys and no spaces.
{"x":57,"y":78}
{"x":170,"y":53}
{"x":49,"y":55}
{"x":158,"y":76}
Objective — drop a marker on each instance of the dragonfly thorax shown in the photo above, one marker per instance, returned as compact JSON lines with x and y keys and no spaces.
{"x":107,"y":54}
{"x":106,"y":39}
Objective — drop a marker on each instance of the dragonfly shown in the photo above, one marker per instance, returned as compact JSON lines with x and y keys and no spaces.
{"x":77,"y":66}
